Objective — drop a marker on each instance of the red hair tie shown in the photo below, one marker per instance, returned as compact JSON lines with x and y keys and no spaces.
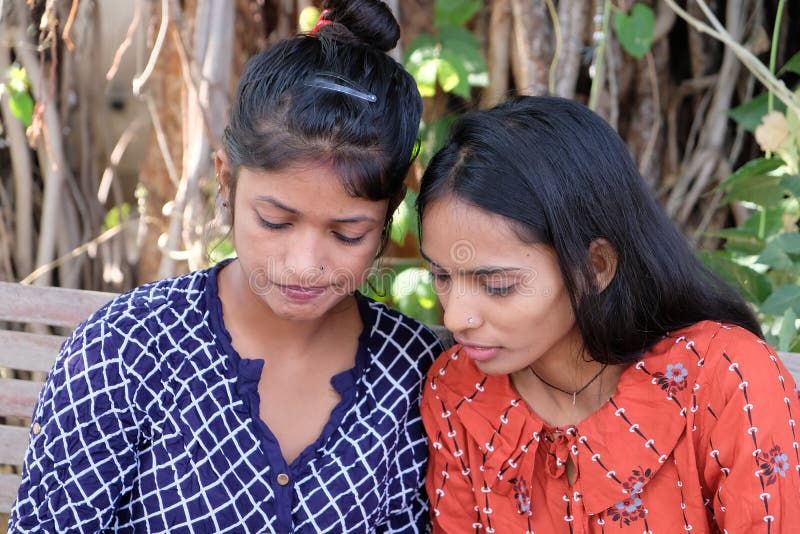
{"x":323,"y":20}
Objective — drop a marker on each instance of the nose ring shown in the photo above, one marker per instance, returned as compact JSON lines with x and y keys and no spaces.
{"x":470,"y":320}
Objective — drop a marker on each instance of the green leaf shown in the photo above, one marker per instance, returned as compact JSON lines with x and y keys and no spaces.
{"x":773,"y":222}
{"x":453,"y":77}
{"x":765,"y":191}
{"x":405,"y":220}
{"x":116,"y":216}
{"x":749,"y":114}
{"x":21,"y":105}
{"x":220,"y":250}
{"x":426,"y":295}
{"x":461,"y":48}
{"x":413,"y":295}
{"x":755,"y":168}
{"x":793,"y":65}
{"x":455,"y":12}
{"x":782,"y":299}
{"x":752,"y":183}
{"x":17,"y":79}
{"x":405,"y":285}
{"x":419,"y":49}
{"x":792,"y":184}
{"x":775,"y":257}
{"x":752,"y":285}
{"x":635,"y":31}
{"x":738,"y":241}
{"x":788,"y":242}
{"x":426,"y":77}
{"x":422,"y":62}
{"x":788,"y":330}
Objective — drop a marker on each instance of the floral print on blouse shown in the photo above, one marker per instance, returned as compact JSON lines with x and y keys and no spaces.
{"x":699,"y":437}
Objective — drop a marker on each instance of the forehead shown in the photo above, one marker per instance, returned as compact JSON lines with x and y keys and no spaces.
{"x":455,"y":233}
{"x":307,"y":188}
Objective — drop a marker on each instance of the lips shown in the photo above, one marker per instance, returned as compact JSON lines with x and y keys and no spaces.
{"x":480,"y":353}
{"x":301,"y":293}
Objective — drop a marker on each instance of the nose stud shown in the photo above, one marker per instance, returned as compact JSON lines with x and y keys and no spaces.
{"x":470,"y":320}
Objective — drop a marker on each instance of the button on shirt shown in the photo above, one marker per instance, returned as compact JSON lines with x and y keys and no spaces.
{"x":149,"y":422}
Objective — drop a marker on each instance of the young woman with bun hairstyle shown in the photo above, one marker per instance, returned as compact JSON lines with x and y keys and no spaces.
{"x":603,"y":381}
{"x":265,"y":394}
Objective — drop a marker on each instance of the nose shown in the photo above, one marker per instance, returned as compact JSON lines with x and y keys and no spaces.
{"x":305,"y":258}
{"x":461,"y":311}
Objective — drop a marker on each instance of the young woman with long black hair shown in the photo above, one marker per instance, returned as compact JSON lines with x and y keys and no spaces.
{"x":603,"y":380}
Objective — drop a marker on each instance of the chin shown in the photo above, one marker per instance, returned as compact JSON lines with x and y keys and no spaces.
{"x":493,"y":367}
{"x":303,"y":311}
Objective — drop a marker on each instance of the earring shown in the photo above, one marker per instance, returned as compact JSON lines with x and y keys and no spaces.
{"x":321,"y":268}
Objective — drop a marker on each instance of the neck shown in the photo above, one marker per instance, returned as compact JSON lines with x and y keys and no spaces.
{"x":564,"y":395}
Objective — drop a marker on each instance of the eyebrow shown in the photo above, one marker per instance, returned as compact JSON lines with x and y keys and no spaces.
{"x":278,"y":204}
{"x":479,"y":272}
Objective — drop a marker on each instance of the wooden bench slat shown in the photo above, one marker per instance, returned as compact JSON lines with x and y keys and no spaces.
{"x":17,"y":397}
{"x":48,"y":305}
{"x":28,"y":352}
{"x":13,"y":443}
{"x":9,"y":484}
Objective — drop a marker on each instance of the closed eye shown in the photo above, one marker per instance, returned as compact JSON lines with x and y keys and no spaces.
{"x":349,"y":240}
{"x":495,"y":291}
{"x":270,"y":225}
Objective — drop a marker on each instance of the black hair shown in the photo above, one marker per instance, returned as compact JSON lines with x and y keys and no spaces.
{"x":282,"y":114}
{"x":564,"y":178}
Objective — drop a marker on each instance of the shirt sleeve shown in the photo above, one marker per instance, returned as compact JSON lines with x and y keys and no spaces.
{"x":748,"y":457}
{"x":81,"y":460}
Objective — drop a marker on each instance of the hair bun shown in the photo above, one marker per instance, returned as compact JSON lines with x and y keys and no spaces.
{"x":371,"y":22}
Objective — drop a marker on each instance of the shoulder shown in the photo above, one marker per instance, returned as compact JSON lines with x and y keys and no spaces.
{"x":393,"y":335}
{"x":715,"y":357}
{"x":133,"y":320}
{"x":721,"y":346}
{"x":155,"y":298}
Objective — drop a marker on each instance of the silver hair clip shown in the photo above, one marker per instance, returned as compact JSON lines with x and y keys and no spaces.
{"x":333,"y":82}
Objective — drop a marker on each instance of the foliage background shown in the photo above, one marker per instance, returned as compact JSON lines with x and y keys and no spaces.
{"x":111,"y":112}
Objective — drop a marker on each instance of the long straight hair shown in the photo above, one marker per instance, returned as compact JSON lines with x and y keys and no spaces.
{"x":563,"y":177}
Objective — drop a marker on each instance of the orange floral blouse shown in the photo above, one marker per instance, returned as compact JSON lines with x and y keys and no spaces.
{"x":700,"y":436}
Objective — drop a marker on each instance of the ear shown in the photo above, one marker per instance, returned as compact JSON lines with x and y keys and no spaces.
{"x":224,"y":173}
{"x":604,"y":261}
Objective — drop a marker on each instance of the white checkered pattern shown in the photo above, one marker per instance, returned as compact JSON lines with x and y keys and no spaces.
{"x":149,"y":423}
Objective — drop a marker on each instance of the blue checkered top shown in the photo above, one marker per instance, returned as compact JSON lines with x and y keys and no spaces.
{"x":149,"y":423}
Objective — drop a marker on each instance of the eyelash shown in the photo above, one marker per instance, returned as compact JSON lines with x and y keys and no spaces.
{"x":491,"y":291}
{"x":499,"y":291}
{"x":279,"y":226}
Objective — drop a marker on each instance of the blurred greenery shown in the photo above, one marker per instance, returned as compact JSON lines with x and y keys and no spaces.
{"x":761,"y":256}
{"x":20,"y":100}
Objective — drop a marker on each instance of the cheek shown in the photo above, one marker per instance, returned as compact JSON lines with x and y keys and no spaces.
{"x":351,"y":267}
